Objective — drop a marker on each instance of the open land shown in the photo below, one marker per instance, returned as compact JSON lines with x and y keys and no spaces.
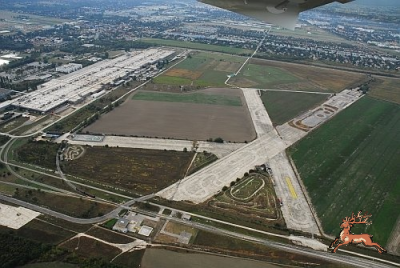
{"x":91,"y":248}
{"x":179,"y":120}
{"x":72,"y":206}
{"x":283,"y":106}
{"x":288,"y":76}
{"x":109,"y":236}
{"x":251,"y":197}
{"x":137,"y":170}
{"x":202,"y":69}
{"x":262,"y":252}
{"x":26,"y":22}
{"x":192,"y":45}
{"x":386,"y":89}
{"x":39,"y":230}
{"x":351,"y":163}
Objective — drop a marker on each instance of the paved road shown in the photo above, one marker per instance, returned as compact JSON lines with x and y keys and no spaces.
{"x":220,"y":150}
{"x":205,"y":183}
{"x":295,"y":209}
{"x":333,"y":257}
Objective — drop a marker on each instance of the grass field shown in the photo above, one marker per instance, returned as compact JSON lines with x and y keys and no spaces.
{"x":386,"y":89}
{"x":16,"y":122}
{"x":202,"y":160}
{"x":137,"y":170}
{"x":109,"y":236}
{"x":351,"y":163}
{"x":256,"y":251}
{"x":90,"y":248}
{"x":280,"y":75}
{"x":264,"y":77}
{"x":284,"y":106}
{"x":38,"y":153}
{"x":189,"y":98}
{"x":200,"y":46}
{"x":246,"y":188}
{"x":72,"y":206}
{"x":202,"y":69}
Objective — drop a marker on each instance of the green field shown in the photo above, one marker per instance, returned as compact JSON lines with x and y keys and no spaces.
{"x":266,"y":76}
{"x":201,"y":70}
{"x":189,"y":98}
{"x":284,"y":106}
{"x":192,"y":45}
{"x":386,"y":89}
{"x":170,"y":80}
{"x":351,"y":163}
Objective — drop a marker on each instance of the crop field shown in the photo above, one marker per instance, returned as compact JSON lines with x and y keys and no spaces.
{"x":386,"y":89}
{"x":200,"y":46}
{"x":72,"y":206}
{"x":200,"y":70}
{"x":44,"y":232}
{"x":137,"y":170}
{"x":351,"y":163}
{"x":199,"y":98}
{"x":280,"y":75}
{"x":180,"y":120}
{"x":90,"y":248}
{"x":284,"y":106}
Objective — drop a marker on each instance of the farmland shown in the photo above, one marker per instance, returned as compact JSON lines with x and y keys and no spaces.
{"x":38,"y":230}
{"x":386,"y":89}
{"x":199,"y":98}
{"x":181,"y":120}
{"x":351,"y":163}
{"x":72,"y":206}
{"x":137,"y":170}
{"x":202,"y":69}
{"x":200,"y":46}
{"x":279,"y":75}
{"x":284,"y":106}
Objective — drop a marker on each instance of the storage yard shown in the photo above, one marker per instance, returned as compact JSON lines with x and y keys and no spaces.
{"x":76,"y":86}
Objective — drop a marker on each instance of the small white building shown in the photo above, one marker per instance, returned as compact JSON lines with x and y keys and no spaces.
{"x":69,"y":68}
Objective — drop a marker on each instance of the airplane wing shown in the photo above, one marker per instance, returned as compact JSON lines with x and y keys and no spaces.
{"x":281,"y":12}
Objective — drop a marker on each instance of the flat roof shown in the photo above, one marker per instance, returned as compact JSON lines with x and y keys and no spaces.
{"x":88,"y":80}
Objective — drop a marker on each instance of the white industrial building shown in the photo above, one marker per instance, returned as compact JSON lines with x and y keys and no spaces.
{"x":76,"y":86}
{"x":69,"y":68}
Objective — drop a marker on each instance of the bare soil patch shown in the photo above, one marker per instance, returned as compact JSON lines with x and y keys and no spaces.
{"x":191,"y":121}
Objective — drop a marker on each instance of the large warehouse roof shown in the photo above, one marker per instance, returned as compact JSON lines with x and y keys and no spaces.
{"x":79,"y":84}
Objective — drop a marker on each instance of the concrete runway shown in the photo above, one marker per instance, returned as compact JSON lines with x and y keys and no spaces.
{"x":268,"y":148}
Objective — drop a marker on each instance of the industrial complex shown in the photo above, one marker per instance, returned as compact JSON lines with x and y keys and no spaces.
{"x":76,"y":86}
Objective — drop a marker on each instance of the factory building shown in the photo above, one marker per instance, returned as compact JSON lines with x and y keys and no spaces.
{"x":69,"y":68}
{"x":75,"y":87}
